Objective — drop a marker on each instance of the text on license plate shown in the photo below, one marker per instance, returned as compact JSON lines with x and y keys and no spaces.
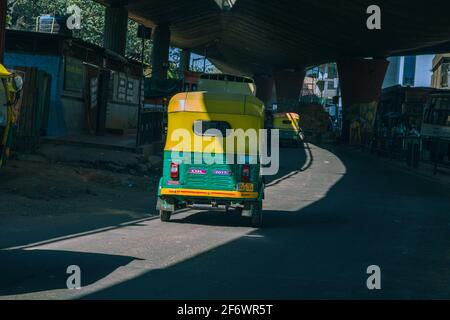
{"x":245,"y":187}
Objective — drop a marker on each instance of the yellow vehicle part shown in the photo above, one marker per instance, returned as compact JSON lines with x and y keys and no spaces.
{"x":209,"y":193}
{"x":206,"y":102}
{"x":286,"y":121}
{"x":4,"y":73}
{"x":7,"y":112}
{"x":239,"y":111}
{"x":223,"y":83}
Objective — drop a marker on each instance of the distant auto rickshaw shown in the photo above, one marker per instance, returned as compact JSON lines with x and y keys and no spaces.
{"x":288,"y":124}
{"x":10,"y":88}
{"x":208,"y":123}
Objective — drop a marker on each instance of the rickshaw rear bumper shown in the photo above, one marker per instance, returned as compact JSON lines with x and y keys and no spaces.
{"x":170,"y":199}
{"x":210,"y":194}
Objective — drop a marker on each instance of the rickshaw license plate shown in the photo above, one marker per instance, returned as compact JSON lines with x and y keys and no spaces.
{"x":245,"y":187}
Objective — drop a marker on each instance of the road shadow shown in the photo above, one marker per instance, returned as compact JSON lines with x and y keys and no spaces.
{"x":22,"y":237}
{"x":292,"y":160}
{"x":27,"y":271}
{"x":295,"y":160}
{"x":212,"y":218}
{"x":372,"y":215}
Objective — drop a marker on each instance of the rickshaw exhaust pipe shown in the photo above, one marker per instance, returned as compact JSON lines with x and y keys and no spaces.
{"x":213,"y":207}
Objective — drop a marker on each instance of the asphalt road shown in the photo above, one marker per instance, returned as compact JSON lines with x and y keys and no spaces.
{"x":328,"y":215}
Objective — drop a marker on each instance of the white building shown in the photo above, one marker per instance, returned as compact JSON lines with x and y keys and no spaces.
{"x":413,"y":71}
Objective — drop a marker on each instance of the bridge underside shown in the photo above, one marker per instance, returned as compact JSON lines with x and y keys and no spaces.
{"x":254,"y":36}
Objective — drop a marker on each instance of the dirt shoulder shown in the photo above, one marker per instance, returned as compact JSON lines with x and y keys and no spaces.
{"x":29,"y":188}
{"x":42,"y":200}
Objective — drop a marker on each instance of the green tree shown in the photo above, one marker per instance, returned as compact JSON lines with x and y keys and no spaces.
{"x":23,"y":15}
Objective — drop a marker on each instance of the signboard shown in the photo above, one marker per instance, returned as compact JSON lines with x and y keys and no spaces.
{"x":122,"y":87}
{"x":94,"y":93}
{"x":432,"y":130}
{"x":131,"y":91}
{"x":73,"y":74}
{"x":126,"y":88}
{"x":144,"y":32}
{"x":153,"y":107}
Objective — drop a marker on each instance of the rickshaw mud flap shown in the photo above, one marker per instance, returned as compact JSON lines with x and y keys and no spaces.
{"x":249,"y":209}
{"x":162,"y":204}
{"x":208,"y":193}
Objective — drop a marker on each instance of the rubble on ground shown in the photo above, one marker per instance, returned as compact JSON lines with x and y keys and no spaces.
{"x":111,"y":160}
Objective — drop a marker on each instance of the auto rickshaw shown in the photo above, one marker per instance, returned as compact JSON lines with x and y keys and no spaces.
{"x":206,"y":121}
{"x":288,"y":125}
{"x":10,"y":88}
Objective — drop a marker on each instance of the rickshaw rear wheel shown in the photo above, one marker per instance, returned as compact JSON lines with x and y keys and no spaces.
{"x":256,"y":219}
{"x":164,"y":215}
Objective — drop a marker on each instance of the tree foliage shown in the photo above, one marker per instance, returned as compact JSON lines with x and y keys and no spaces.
{"x":24,"y":13}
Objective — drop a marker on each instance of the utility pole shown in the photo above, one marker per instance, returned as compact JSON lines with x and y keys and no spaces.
{"x":204,"y":62}
{"x":145,"y":34}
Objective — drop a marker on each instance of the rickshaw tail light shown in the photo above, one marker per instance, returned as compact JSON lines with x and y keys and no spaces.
{"x":174,"y":171}
{"x":245,"y":175}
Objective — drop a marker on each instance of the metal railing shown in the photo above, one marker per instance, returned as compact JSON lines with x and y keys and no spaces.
{"x":414,"y":150}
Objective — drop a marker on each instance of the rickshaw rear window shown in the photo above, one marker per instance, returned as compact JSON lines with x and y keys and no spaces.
{"x":287,"y":122}
{"x":201,"y":126}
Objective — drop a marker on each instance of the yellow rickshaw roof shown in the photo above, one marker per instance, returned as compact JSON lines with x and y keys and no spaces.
{"x":205,"y":102}
{"x":4,"y":72}
{"x":291,"y":115}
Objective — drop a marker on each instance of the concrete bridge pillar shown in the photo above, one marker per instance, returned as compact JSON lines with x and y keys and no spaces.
{"x":160,"y":53}
{"x":289,"y":85}
{"x":185,"y":60}
{"x":264,"y":87}
{"x":116,"y":26}
{"x":361,"y":81}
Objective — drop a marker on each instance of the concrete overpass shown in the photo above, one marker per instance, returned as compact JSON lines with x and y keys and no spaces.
{"x":254,"y":36}
{"x":274,"y":41}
